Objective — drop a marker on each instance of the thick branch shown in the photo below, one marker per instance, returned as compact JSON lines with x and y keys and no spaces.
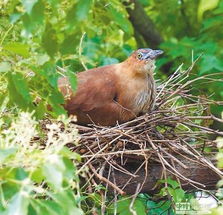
{"x":144,"y":25}
{"x":195,"y":172}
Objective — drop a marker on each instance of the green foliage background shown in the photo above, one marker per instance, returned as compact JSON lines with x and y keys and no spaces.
{"x":37,"y":36}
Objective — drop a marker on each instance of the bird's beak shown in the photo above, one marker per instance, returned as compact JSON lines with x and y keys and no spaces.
{"x":153,"y":54}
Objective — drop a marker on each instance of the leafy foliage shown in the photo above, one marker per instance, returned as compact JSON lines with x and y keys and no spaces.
{"x":197,"y":33}
{"x":36,"y":180}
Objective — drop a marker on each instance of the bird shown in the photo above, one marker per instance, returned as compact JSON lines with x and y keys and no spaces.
{"x":113,"y":94}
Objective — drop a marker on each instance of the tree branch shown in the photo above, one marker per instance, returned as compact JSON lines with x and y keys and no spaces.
{"x":143,"y":24}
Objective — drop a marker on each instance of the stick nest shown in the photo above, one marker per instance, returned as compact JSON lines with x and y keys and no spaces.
{"x":177,"y":129}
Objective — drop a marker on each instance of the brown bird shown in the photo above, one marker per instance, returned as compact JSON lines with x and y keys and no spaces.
{"x":115,"y":93}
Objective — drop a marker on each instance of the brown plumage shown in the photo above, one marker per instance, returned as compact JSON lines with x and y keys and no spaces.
{"x":114,"y":93}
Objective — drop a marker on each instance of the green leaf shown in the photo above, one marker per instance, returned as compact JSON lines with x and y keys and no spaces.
{"x":18,"y":48}
{"x":19,"y":204}
{"x":69,"y":44}
{"x":153,"y":208}
{"x":15,"y":17}
{"x":58,"y":110}
{"x":49,"y":40}
{"x":69,"y":154}
{"x":53,"y":170}
{"x":120,"y":20}
{"x":42,"y":58}
{"x":28,"y":5}
{"x":18,"y":91}
{"x":205,"y":5}
{"x":124,"y":204}
{"x":70,"y":169}
{"x":37,"y":175}
{"x":40,"y":110}
{"x":66,"y":200}
{"x":56,"y":97}
{"x":20,"y":174}
{"x":37,"y":15}
{"x":53,"y":3}
{"x":173,"y":183}
{"x":79,"y":12}
{"x":5,"y":67}
{"x":5,"y":153}
{"x":33,"y":20}
{"x":9,"y":189}
{"x":210,"y":62}
{"x":139,"y":207}
{"x":21,"y":86}
{"x":161,"y":207}
{"x":46,"y":207}
{"x":48,"y":70}
{"x":29,"y":26}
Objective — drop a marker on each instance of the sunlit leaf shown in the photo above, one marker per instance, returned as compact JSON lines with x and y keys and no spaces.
{"x":18,"y":48}
{"x":42,"y":58}
{"x":15,"y":17}
{"x":53,"y":170}
{"x":5,"y":67}
{"x":19,"y":204}
{"x":205,"y":5}
{"x":28,"y":5}
{"x":5,"y":153}
{"x":177,"y":194}
{"x":37,"y":175}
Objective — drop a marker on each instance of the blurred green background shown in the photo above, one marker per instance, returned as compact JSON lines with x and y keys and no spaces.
{"x":38,"y":35}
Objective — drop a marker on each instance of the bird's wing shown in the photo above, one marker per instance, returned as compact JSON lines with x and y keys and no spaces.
{"x":96,"y":88}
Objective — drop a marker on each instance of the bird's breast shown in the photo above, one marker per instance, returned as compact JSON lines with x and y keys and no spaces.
{"x":142,"y":101}
{"x":139,"y":95}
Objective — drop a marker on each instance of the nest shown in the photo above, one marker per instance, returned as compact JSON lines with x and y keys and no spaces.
{"x":173,"y":136}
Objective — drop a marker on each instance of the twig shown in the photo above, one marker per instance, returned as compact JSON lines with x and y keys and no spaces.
{"x":121,"y":192}
{"x":80,"y":51}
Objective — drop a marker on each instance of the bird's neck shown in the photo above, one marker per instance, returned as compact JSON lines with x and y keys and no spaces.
{"x":135,"y":71}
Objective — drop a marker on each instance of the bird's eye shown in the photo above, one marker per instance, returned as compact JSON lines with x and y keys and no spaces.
{"x":139,"y":56}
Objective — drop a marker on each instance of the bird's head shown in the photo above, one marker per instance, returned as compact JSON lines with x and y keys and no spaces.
{"x":143,"y":60}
